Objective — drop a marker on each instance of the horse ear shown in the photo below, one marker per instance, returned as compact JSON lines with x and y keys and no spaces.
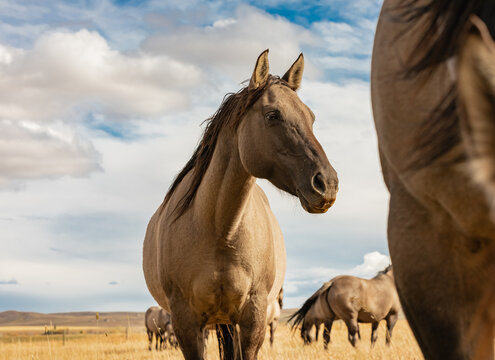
{"x":261,"y":71}
{"x":476,"y":94}
{"x":293,"y":76}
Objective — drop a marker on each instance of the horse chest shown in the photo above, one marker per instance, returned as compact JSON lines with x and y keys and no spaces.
{"x":221,"y":293}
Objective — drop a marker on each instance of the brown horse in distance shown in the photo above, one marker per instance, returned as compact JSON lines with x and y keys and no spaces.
{"x":433,"y":91}
{"x":352,"y":300}
{"x":158,"y":323}
{"x":213,"y":251}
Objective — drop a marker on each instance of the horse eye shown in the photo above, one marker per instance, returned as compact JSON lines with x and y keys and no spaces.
{"x":273,"y":116}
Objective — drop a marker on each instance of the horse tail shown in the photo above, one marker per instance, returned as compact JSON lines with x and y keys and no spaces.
{"x":225,"y":337}
{"x":298,"y":317}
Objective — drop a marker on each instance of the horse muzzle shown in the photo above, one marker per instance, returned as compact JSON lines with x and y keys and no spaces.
{"x":317,"y":203}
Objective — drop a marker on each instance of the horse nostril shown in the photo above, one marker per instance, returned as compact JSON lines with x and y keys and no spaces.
{"x":319,"y":183}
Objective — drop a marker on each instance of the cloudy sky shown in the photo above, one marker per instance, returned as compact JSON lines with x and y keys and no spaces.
{"x":101,"y":105}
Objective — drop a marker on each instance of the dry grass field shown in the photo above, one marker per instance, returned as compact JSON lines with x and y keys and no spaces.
{"x":29,"y":343}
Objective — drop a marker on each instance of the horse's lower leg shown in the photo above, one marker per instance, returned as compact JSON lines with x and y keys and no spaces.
{"x":157,"y":341}
{"x":352,"y":328}
{"x":225,"y":337}
{"x":165,"y":339}
{"x":326,"y":333}
{"x":252,"y":328}
{"x":374,"y":333}
{"x":391,"y":320}
{"x":150,"y":339}
{"x":317,"y":330}
{"x":187,"y":329}
{"x":359,"y":333}
{"x":273,"y":327}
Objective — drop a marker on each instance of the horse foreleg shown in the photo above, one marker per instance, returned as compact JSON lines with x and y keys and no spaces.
{"x":164,"y":340}
{"x":374,"y":333}
{"x":150,"y":339}
{"x":187,"y":329}
{"x":317,"y":331}
{"x":252,"y":328}
{"x":273,"y":327}
{"x":359,"y":332}
{"x":326,"y":333}
{"x":391,"y":320}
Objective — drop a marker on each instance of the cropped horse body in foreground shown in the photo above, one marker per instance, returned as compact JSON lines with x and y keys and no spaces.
{"x":433,"y":87}
{"x":213,"y":251}
{"x":352,"y":300}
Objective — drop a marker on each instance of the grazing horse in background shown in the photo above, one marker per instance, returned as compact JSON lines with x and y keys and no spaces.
{"x":213,"y":251}
{"x":352,"y":300}
{"x":158,"y":323}
{"x":313,"y":317}
{"x":273,"y":314}
{"x":433,"y":91}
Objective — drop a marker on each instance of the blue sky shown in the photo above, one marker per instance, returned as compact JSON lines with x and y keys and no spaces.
{"x":102,"y":104}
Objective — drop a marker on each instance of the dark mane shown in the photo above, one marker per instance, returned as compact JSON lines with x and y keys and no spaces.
{"x":231,"y":111}
{"x":445,"y":23}
{"x":444,"y":28}
{"x":298,"y":317}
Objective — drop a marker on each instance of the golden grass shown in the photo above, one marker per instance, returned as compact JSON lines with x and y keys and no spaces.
{"x":16,"y":343}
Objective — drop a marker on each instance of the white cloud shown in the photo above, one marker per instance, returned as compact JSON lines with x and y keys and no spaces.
{"x":48,"y":90}
{"x":373,"y":262}
{"x":9,"y":282}
{"x":30,"y":151}
{"x":342,"y":38}
{"x":344,"y":63}
{"x":232,"y":44}
{"x":67,"y":69}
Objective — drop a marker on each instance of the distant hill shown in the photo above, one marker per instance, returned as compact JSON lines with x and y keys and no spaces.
{"x":285,"y":315}
{"x":86,"y":318}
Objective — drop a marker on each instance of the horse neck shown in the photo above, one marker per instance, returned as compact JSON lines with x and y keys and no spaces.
{"x":225,"y":189}
{"x":383,"y":278}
